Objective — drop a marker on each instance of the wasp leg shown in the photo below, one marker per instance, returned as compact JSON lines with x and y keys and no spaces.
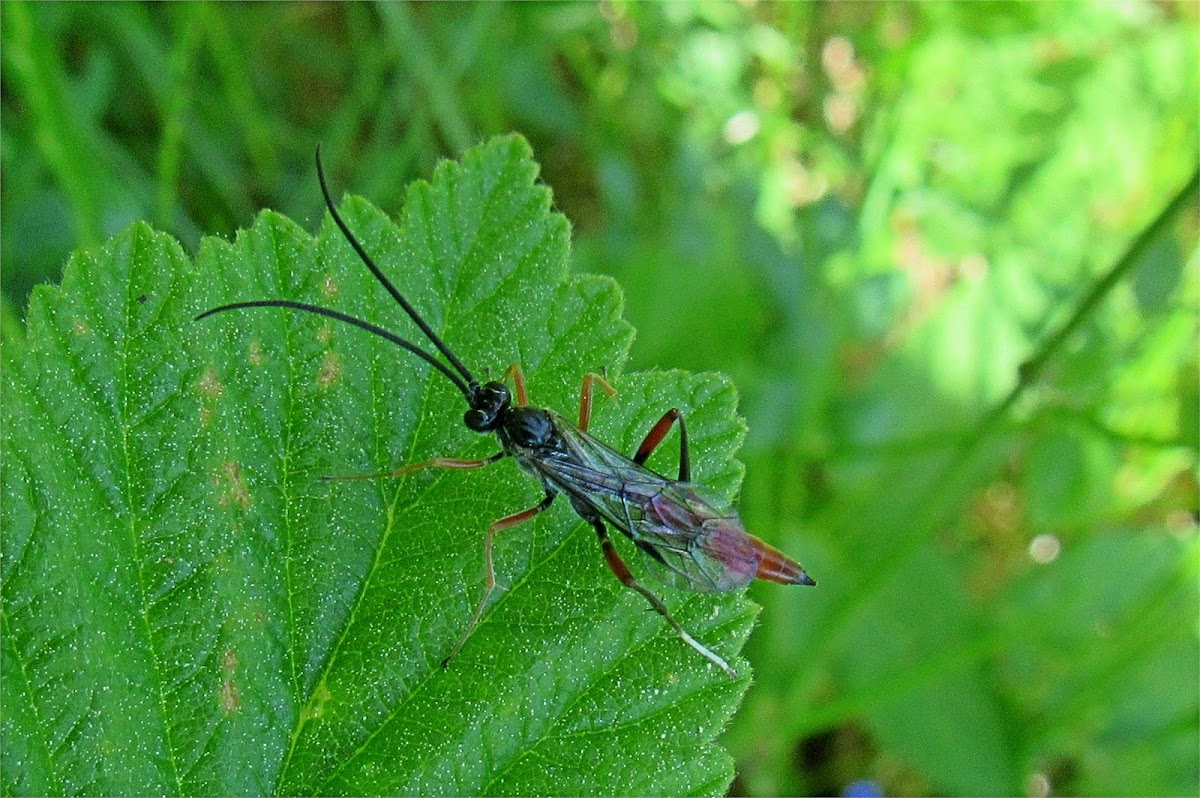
{"x":655,"y":436}
{"x":493,"y":528}
{"x":518,"y":378}
{"x":618,"y":567}
{"x":437,"y":462}
{"x":585,"y":397}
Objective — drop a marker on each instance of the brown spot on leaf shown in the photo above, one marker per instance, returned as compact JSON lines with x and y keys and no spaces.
{"x":331,"y":370}
{"x":256,"y":354}
{"x":209,"y":385}
{"x":80,"y":327}
{"x":230,"y":485}
{"x":210,"y":388}
{"x":230,"y":698}
{"x":325,"y":334}
{"x":228,"y":692}
{"x":330,"y":286}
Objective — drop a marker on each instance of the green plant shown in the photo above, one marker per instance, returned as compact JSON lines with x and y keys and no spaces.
{"x":189,"y":609}
{"x":869,"y":215}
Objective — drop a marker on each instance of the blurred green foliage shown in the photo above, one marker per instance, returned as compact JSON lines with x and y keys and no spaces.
{"x":871,"y":215}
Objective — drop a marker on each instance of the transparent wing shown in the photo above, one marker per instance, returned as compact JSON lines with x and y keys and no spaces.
{"x":687,"y":542}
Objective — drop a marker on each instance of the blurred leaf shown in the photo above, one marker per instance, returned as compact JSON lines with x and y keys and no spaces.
{"x":1068,"y":477}
{"x":1103,"y":671}
{"x":914,"y":657}
{"x":188,"y":609}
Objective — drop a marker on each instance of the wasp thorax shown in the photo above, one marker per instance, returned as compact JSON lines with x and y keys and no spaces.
{"x":488,"y":403}
{"x":530,"y":428}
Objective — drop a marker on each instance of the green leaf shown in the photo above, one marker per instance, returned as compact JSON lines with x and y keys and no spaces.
{"x":188,"y":608}
{"x":1119,"y":688}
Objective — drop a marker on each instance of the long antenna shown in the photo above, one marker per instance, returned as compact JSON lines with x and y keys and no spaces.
{"x":362,"y":325}
{"x":386,"y":283}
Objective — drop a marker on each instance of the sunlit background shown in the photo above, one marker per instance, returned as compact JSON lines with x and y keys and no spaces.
{"x":870,"y":215}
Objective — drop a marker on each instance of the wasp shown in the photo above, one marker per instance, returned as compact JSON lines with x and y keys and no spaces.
{"x":692,"y":542}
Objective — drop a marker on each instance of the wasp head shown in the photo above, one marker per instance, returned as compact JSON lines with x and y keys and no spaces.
{"x":488,"y":403}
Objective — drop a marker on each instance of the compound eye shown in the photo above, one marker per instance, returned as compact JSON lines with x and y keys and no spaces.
{"x":476,"y":420}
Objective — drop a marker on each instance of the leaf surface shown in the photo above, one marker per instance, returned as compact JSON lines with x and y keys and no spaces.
{"x":188,"y":608}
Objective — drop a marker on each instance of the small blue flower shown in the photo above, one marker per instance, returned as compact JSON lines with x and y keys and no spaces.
{"x":863,"y":788}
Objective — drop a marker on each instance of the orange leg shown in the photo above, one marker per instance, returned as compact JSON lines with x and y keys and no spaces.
{"x":655,"y":436}
{"x":489,"y":568}
{"x":585,"y":397}
{"x":618,"y":567}
{"x":437,"y":462}
{"x":518,"y":379}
